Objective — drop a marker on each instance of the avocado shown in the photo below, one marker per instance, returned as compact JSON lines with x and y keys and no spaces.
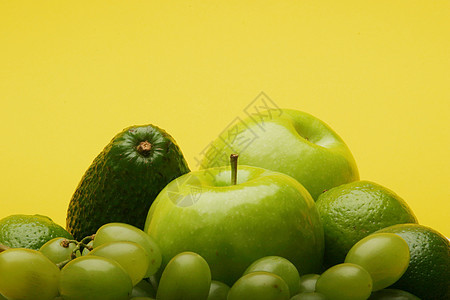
{"x":124,"y":179}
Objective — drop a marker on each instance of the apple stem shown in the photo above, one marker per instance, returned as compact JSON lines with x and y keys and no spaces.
{"x":3,"y":247}
{"x":233,"y":162}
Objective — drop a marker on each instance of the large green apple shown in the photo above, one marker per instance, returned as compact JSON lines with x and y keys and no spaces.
{"x":290,"y":142}
{"x":231,"y":225}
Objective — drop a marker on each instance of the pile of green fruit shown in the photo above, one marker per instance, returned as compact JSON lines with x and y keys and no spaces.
{"x":292,"y":220}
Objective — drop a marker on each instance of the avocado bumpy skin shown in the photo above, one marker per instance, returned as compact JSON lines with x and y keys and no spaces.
{"x":124,"y":179}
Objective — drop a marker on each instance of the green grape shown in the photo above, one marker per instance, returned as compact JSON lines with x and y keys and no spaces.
{"x":131,"y":256}
{"x":392,"y":294}
{"x":58,"y":249}
{"x":154,"y":280}
{"x":259,"y":285}
{"x":307,"y":283}
{"x":345,"y":282}
{"x":384,"y":255}
{"x":143,"y":289}
{"x":94,"y":278}
{"x":27,"y":274}
{"x":86,"y":250}
{"x":218,"y":291}
{"x":279,"y":266}
{"x":117,"y":232}
{"x":186,"y":276}
{"x":309,"y":296}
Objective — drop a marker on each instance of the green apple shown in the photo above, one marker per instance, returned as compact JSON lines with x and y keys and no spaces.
{"x":290,"y":142}
{"x":231,"y":225}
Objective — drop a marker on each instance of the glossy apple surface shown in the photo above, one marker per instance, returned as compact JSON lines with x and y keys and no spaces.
{"x":265,"y":213}
{"x":290,"y":142}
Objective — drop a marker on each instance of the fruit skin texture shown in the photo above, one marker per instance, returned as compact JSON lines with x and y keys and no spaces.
{"x":116,"y":232}
{"x":218,"y":291}
{"x":279,"y":266}
{"x":124,"y":179}
{"x":309,"y":296}
{"x":384,"y":255}
{"x":131,"y":256}
{"x":143,"y":289}
{"x":29,"y":231}
{"x":307,"y":283}
{"x":94,"y":278}
{"x":352,"y":211}
{"x":345,"y":281}
{"x":266,"y":214}
{"x":187,"y":276}
{"x":291,"y":142}
{"x":428,"y":274}
{"x":259,"y":285}
{"x":56,"y":252}
{"x":27,"y":275}
{"x":392,"y":294}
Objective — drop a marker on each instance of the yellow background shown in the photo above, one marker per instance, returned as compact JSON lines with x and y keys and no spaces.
{"x":74,"y":73}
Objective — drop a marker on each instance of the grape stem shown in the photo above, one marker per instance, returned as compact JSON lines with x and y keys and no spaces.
{"x":63,"y":263}
{"x":4,"y":248}
{"x":78,"y":248}
{"x":81,"y":245}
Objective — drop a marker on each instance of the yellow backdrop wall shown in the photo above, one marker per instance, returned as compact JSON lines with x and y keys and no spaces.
{"x":73,"y":74}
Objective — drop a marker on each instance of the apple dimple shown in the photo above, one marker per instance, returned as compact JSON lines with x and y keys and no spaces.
{"x":316,"y":138}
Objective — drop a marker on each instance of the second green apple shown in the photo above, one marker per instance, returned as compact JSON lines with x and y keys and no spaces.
{"x":290,"y":142}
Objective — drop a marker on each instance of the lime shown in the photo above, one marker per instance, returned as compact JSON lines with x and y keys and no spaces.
{"x":428,"y":273}
{"x":29,"y":231}
{"x":392,"y":294}
{"x":352,"y":211}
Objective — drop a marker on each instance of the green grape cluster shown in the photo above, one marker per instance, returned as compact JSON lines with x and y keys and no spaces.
{"x":115,"y":263}
{"x":123,"y":262}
